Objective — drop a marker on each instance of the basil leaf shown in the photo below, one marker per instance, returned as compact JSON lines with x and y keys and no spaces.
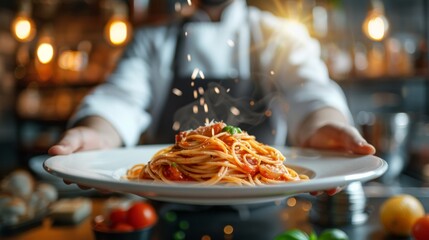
{"x":231,"y":129}
{"x":293,"y":234}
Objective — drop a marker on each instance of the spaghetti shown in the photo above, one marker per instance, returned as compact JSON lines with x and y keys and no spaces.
{"x":216,"y":154}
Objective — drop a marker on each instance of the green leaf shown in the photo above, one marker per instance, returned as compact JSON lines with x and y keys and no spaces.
{"x":312,"y":236}
{"x":293,"y":234}
{"x":333,"y":234}
{"x":231,"y":129}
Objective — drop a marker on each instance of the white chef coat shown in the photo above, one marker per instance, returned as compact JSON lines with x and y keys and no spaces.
{"x":288,"y":56}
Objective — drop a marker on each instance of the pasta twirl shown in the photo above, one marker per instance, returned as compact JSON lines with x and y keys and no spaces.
{"x":216,"y":154}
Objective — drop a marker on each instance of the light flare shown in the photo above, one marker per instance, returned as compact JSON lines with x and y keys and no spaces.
{"x":195,"y":73}
{"x":377,"y":28}
{"x":291,"y":202}
{"x":235,"y":111}
{"x":176,"y":126}
{"x":45,"y":52}
{"x":177,"y":92}
{"x":23,"y":28}
{"x":118,"y":31}
{"x":202,"y":75}
{"x":376,"y":25}
{"x":201,"y":91}
{"x":228,"y":229}
{"x":230,"y":43}
{"x":177,"y":7}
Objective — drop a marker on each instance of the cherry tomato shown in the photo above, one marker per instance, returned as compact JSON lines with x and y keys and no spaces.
{"x":118,"y":215}
{"x":141,"y":215}
{"x":123,"y":227}
{"x":420,"y":230}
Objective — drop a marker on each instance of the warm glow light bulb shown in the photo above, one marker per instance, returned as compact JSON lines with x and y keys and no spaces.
{"x":23,"y":29}
{"x":45,"y":53}
{"x":72,"y":60}
{"x":375,"y":25}
{"x":377,"y":28}
{"x":118,"y":31}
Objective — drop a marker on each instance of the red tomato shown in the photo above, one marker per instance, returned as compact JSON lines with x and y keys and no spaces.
{"x":123,"y":227}
{"x":118,"y":215}
{"x":141,"y":215}
{"x":172,"y":173}
{"x":420,"y":230}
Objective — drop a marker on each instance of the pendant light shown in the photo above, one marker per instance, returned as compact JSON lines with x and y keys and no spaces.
{"x":376,"y":25}
{"x":23,"y":27}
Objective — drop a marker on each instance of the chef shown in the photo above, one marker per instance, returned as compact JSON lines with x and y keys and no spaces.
{"x":224,"y":46}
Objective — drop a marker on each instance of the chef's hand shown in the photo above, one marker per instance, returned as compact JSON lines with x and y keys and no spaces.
{"x":78,"y":139}
{"x":328,"y":129}
{"x":339,"y":137}
{"x":92,"y":133}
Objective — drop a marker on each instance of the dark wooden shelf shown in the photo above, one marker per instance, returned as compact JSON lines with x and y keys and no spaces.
{"x":44,"y":121}
{"x":57,"y":85}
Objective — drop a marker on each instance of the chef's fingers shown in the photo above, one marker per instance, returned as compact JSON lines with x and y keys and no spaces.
{"x":330,"y":192}
{"x":78,"y":139}
{"x":83,"y":187}
{"x":316,"y":193}
{"x":69,"y":143}
{"x":333,"y":191}
{"x":339,"y":137}
{"x":354,"y":142}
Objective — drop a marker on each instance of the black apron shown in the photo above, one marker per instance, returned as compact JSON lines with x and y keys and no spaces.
{"x":238,"y":102}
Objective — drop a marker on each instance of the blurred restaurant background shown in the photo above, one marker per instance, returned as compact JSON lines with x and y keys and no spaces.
{"x":53,"y":52}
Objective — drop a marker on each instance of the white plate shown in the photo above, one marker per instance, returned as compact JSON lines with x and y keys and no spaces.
{"x":104,"y":169}
{"x":36,"y":165}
